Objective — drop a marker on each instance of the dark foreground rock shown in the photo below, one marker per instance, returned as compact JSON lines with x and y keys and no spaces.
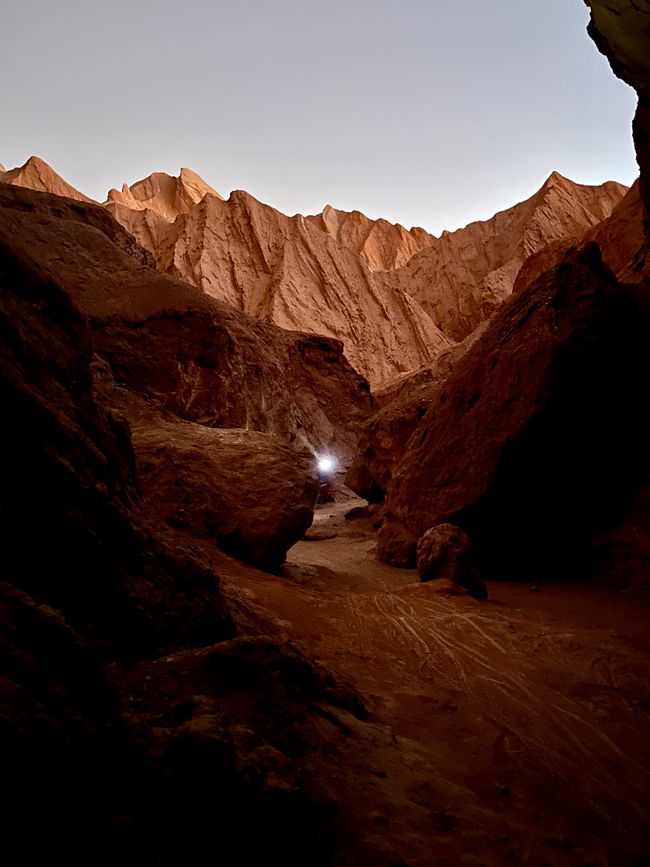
{"x":121,"y":741}
{"x":538,"y":438}
{"x":73,"y":535}
{"x":621,"y":30}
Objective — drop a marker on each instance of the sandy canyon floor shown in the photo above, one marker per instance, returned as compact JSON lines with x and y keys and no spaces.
{"x":514,"y":731}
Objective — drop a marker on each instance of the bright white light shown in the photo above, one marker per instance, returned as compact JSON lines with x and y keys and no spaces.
{"x":325,"y":464}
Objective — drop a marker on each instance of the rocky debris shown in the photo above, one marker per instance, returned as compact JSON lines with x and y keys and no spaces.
{"x":35,"y":174}
{"x":461,"y":278}
{"x":316,"y":534}
{"x":382,"y":245}
{"x":444,"y":554}
{"x":538,"y":435}
{"x":252,"y":495}
{"x":167,"y":340}
{"x":73,"y":536}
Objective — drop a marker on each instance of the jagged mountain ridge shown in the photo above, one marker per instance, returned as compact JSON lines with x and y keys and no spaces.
{"x":463,"y":276}
{"x":396,"y":298}
{"x":382,"y":245}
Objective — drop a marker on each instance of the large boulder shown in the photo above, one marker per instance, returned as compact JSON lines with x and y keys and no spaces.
{"x":245,"y":490}
{"x":538,"y":437}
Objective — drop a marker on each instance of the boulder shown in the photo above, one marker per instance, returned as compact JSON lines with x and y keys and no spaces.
{"x":441,"y":551}
{"x":444,"y":554}
{"x":538,"y":437}
{"x":245,"y":490}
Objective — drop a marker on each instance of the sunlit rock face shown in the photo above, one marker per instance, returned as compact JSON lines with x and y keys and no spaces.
{"x":382,"y":245}
{"x":461,"y":278}
{"x":395,"y":298}
{"x":35,"y":174}
{"x":283,"y":270}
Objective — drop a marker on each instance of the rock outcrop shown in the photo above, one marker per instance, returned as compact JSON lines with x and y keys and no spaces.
{"x":196,"y":357}
{"x":461,"y":278}
{"x":621,"y":30}
{"x":382,"y":245}
{"x":35,"y":174}
{"x":242,"y":489}
{"x":537,"y":439}
{"x":367,"y":282}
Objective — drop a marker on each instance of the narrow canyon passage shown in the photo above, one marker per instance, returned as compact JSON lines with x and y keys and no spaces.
{"x":520,"y":724}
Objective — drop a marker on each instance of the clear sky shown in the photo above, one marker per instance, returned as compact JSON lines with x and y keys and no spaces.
{"x":424,"y":112}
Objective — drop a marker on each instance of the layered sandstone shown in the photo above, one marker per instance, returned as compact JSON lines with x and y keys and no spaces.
{"x":367,"y":281}
{"x":396,"y":298}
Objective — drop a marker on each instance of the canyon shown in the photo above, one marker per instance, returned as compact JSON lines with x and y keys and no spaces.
{"x":436,"y":651}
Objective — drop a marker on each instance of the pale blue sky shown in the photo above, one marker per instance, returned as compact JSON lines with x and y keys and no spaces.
{"x":424,"y":112}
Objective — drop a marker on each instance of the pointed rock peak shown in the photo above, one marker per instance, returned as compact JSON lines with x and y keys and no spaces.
{"x":2,"y":169}
{"x":555,"y":179}
{"x":196,"y":185}
{"x":241,"y":196}
{"x":36,"y":174}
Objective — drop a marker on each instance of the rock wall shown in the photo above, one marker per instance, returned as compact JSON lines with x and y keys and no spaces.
{"x":538,"y":437}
